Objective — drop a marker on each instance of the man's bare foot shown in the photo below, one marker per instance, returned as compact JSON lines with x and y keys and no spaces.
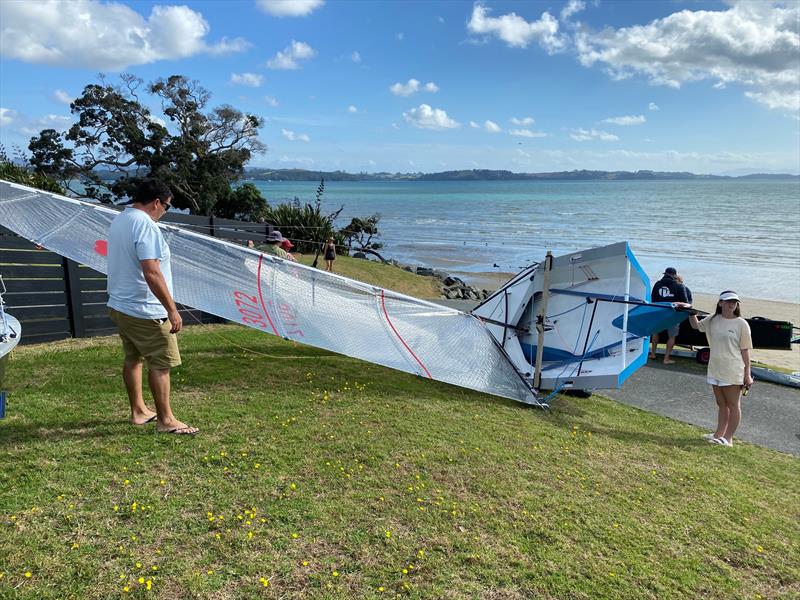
{"x":143,"y":418}
{"x":176,"y":427}
{"x":669,"y":362}
{"x":652,"y":355}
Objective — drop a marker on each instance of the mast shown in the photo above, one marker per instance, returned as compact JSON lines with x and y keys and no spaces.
{"x":540,"y":319}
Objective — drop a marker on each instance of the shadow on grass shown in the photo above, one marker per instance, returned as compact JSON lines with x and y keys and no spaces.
{"x":640,"y":437}
{"x":12,"y":434}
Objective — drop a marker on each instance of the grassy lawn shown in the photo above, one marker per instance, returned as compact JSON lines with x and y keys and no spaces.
{"x":319,"y":476}
{"x":385,"y":276}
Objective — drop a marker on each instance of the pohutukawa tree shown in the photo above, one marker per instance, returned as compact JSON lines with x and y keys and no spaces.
{"x":117,"y":141}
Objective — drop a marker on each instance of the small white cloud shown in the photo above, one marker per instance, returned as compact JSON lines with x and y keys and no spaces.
{"x":249,"y":79}
{"x":62,"y":96}
{"x":289,"y":8}
{"x":720,"y":85}
{"x":572,"y":7}
{"x":157,"y":120}
{"x":491,"y":126}
{"x":626,"y":120}
{"x":355,"y":57}
{"x":352,"y":109}
{"x":527,"y":133}
{"x":440,"y":19}
{"x":7,"y":116}
{"x":426,"y":117}
{"x":584,"y":135}
{"x":523,"y":121}
{"x":474,"y":125}
{"x":516,"y":31}
{"x":412,"y":86}
{"x":295,"y":137}
{"x":400,"y":36}
{"x":290,"y":57}
{"x":272,"y":101}
{"x":653,"y":106}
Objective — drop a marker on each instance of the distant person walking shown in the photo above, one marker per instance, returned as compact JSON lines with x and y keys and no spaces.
{"x":729,"y":365}
{"x":141,"y":305}
{"x":287,"y":245}
{"x":330,"y":254}
{"x":668,"y":289}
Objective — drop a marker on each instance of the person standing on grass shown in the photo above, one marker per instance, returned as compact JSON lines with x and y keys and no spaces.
{"x":668,"y":289}
{"x":330,"y":254}
{"x":729,"y":366}
{"x":141,"y":305}
{"x":273,"y":245}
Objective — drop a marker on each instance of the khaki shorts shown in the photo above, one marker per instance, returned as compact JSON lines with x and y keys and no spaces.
{"x":147,"y":339}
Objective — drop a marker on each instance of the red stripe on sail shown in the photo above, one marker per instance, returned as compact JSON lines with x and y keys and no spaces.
{"x":261,"y":298}
{"x":399,"y":337}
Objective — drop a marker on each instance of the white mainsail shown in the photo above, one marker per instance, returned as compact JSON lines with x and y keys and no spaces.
{"x":284,"y":298}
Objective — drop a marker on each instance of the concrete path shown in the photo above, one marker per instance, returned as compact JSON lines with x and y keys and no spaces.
{"x":770,"y":412}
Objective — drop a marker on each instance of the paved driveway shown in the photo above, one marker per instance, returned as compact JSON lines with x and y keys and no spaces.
{"x":770,"y":412}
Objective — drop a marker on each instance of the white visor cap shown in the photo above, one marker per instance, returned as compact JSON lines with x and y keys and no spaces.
{"x":729,"y":296}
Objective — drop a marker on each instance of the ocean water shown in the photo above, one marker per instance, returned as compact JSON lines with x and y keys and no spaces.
{"x":741,"y":235}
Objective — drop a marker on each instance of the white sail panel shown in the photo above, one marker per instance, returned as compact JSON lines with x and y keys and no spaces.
{"x":284,"y":298}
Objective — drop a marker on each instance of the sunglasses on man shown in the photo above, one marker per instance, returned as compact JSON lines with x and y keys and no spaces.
{"x":166,"y":205}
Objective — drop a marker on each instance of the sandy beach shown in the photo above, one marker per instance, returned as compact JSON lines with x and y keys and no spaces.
{"x":751,"y":307}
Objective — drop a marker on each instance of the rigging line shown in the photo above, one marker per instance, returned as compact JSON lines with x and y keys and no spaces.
{"x":388,"y":320}
{"x":209,"y":328}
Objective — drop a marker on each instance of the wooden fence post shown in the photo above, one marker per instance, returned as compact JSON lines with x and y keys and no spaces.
{"x":72,"y":279}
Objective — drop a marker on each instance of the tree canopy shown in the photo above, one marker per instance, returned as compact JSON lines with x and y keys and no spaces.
{"x":117,"y":141}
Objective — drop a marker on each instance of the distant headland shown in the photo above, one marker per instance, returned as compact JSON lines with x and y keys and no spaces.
{"x":263,"y":174}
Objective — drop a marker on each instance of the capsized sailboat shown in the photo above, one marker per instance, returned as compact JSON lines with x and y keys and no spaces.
{"x":488,"y":350}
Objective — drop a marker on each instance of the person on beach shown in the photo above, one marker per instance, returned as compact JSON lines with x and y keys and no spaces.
{"x":330,"y":254}
{"x":287,"y":245}
{"x":273,"y":245}
{"x":140,"y":304}
{"x":729,"y":366}
{"x":668,"y":289}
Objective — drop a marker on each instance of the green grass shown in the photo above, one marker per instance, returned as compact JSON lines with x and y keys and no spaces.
{"x":353,"y":478}
{"x":385,"y":276}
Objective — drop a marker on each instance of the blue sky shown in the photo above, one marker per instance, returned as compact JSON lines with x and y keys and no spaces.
{"x":708,"y":87}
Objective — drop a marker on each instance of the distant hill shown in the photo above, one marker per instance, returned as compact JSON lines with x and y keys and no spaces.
{"x":495,"y":175}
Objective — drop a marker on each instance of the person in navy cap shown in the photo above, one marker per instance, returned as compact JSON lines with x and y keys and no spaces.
{"x":668,"y":289}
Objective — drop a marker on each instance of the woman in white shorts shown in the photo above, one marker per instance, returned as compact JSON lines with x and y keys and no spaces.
{"x":729,"y":366}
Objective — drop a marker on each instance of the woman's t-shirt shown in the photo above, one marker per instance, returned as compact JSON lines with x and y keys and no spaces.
{"x":727,"y":338}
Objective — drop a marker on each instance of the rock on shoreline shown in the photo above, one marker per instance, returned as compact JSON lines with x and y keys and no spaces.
{"x":452,"y":288}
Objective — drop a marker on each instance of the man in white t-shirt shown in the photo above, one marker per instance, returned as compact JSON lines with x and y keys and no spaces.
{"x":141,"y":305}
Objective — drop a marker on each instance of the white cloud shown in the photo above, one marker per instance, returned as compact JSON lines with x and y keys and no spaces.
{"x":290,"y":56}
{"x":159,"y":121}
{"x":523,"y":121}
{"x":474,"y":125}
{"x":516,"y":31}
{"x":355,"y":57}
{"x":352,"y":109}
{"x":412,"y":87}
{"x":7,"y":116}
{"x":112,"y":36}
{"x":33,"y":126}
{"x":289,"y":8}
{"x":249,"y":79}
{"x":400,"y":36}
{"x":626,"y":120}
{"x":752,"y":44}
{"x":426,"y":117}
{"x":584,"y":135}
{"x":62,"y":96}
{"x":572,"y":7}
{"x":653,"y":106}
{"x":527,"y":133}
{"x":295,"y":137}
{"x":491,"y":126}
{"x":272,"y":101}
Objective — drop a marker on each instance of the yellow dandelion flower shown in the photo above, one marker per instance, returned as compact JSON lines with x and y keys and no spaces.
{"x":405,"y":571}
{"x":141,"y":580}
{"x":209,"y":572}
{"x":336,"y":573}
{"x":126,"y":482}
{"x":28,"y":574}
{"x":388,"y":534}
{"x":381,"y":588}
{"x":149,"y":583}
{"x":154,"y":567}
{"x":249,"y":535}
{"x":75,"y":545}
{"x":293,"y":486}
{"x":295,"y":535}
{"x":138,"y":565}
{"x":116,"y":508}
{"x":759,"y":549}
{"x":217,"y":536}
{"x":162,"y":482}
{"x":126,"y":589}
{"x":305,"y":563}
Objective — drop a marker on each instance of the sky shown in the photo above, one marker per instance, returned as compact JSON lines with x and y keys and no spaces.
{"x":706,"y":87}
